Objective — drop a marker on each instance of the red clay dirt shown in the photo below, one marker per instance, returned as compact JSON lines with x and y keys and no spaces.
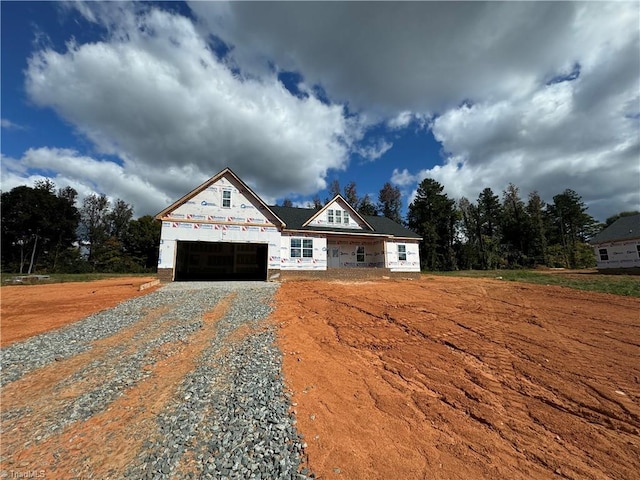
{"x":438,"y":378}
{"x":459,"y":378}
{"x":28,"y":310}
{"x":105,"y":444}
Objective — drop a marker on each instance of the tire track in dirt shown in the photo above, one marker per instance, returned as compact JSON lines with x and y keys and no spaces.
{"x":46,"y":378}
{"x":548,"y":395}
{"x":60,"y":384}
{"x":484,"y":379}
{"x":103,"y":445}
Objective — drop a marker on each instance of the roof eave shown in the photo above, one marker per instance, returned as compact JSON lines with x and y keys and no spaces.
{"x":325,"y":207}
{"x":600,"y":242}
{"x":160,"y":216}
{"x":352,"y":234}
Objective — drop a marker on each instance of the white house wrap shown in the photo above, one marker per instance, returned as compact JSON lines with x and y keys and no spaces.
{"x":618,"y":245}
{"x":223,"y":230}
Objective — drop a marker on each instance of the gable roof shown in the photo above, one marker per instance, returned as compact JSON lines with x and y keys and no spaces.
{"x":297,"y":218}
{"x":211,"y":181}
{"x":354,"y":212}
{"x":625,"y":228}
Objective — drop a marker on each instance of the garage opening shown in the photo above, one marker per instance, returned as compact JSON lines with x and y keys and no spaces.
{"x":221,"y":261}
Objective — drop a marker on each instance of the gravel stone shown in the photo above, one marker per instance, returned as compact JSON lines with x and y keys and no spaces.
{"x":229,"y":418}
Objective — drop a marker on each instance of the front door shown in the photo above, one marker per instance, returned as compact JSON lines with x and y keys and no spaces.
{"x":333,"y":255}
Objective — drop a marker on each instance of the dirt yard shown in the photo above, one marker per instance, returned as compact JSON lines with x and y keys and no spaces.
{"x":28,"y":310}
{"x":457,"y":378}
{"x":446,"y":378}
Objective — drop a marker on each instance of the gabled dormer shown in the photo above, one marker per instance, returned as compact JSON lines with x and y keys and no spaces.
{"x":338,"y":214}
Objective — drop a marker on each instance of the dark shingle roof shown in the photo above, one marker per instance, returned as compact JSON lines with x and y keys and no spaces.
{"x":625,"y":228}
{"x":296,"y":217}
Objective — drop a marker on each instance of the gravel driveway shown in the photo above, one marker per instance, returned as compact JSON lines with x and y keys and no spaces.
{"x":182,"y":383}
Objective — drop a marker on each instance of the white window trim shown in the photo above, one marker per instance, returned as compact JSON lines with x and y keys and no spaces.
{"x":306,"y":247}
{"x":293,"y":248}
{"x":404,"y":253}
{"x":363,"y":254}
{"x":338,"y":217}
{"x":230,"y":198}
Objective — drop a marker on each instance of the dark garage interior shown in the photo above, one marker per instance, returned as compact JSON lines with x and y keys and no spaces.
{"x":221,"y":261}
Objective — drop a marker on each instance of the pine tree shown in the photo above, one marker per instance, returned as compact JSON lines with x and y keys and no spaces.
{"x":489,"y":213}
{"x":536,"y":230}
{"x":514,"y":226}
{"x":572,"y":226}
{"x":432,"y":215}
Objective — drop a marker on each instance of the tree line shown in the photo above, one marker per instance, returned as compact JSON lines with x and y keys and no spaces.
{"x":506,"y":232}
{"x":389,"y":200}
{"x":44,"y":231}
{"x":490,"y":232}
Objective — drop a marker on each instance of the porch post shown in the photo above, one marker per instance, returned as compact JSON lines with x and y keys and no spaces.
{"x":384,"y":252}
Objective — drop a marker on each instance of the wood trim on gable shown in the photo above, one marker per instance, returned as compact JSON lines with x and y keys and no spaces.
{"x":353,"y":211}
{"x":227,"y":171}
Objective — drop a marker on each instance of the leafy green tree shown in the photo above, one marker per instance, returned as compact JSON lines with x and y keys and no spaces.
{"x":390,"y":202}
{"x":63,"y":254}
{"x":432,"y":215}
{"x":38,"y":226}
{"x":119,"y":218}
{"x":141,"y":241}
{"x":95,"y":226}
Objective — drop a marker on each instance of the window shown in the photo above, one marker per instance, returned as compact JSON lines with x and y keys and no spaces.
{"x":307,"y":248}
{"x":604,"y":255}
{"x":330,"y":216}
{"x":296,"y":248}
{"x":402,"y":253}
{"x":338,"y":216}
{"x":638,"y":248}
{"x":345,"y":220}
{"x":301,"y":248}
{"x":226,"y":198}
{"x":360,"y":254}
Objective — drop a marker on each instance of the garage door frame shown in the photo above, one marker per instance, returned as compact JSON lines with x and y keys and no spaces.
{"x":211,"y":261}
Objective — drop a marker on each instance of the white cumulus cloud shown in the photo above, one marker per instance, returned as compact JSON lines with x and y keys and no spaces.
{"x":67,"y":167}
{"x":155,"y":95}
{"x":544,"y":95}
{"x":541,"y":94}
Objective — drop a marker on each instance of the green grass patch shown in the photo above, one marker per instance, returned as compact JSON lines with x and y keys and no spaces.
{"x":628,"y":285}
{"x":7,"y":279}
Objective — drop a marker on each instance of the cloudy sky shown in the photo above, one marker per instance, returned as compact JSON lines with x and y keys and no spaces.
{"x":146,"y":101}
